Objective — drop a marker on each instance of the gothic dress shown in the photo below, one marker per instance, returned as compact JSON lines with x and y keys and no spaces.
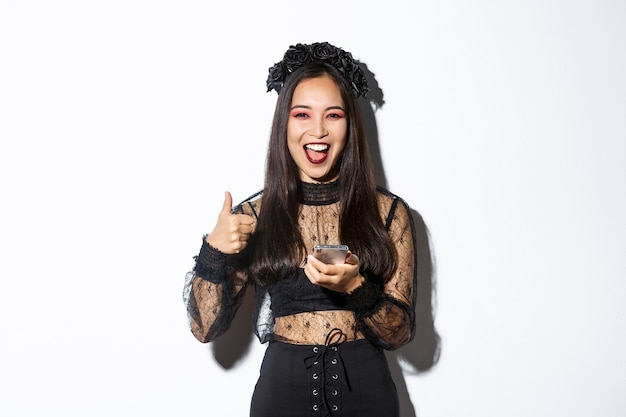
{"x":325,"y":354}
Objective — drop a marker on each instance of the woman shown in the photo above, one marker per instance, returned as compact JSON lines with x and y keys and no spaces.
{"x":326,"y":324}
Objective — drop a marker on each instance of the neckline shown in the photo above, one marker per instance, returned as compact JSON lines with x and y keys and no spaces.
{"x":319,"y":194}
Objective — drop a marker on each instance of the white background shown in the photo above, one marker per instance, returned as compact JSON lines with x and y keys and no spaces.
{"x":123,"y":122}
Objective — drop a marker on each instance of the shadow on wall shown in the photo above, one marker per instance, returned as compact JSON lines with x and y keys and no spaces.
{"x":423,"y":352}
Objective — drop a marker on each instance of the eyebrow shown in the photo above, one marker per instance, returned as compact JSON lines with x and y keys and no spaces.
{"x":302,"y":106}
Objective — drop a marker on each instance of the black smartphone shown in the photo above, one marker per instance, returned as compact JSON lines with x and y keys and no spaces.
{"x":331,"y":254}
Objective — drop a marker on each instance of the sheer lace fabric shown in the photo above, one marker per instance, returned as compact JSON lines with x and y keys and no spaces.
{"x":213,"y":297}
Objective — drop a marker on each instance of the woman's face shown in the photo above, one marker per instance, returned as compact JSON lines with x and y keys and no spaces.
{"x":317,"y":129}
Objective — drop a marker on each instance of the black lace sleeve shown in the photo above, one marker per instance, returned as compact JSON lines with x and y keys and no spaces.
{"x":213,"y":293}
{"x":385,"y":314}
{"x":214,"y":289}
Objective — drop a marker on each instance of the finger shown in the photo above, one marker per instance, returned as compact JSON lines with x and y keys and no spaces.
{"x":239,"y":223}
{"x":227,"y":207}
{"x":352,"y":259}
{"x":244,"y":231}
{"x":315,"y":263}
{"x":245,"y":219}
{"x":243,"y":237}
{"x":322,"y":271}
{"x":311,"y":273}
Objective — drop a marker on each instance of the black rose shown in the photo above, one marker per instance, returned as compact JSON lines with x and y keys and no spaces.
{"x":300,"y":54}
{"x":359,"y":83}
{"x":276,"y":77}
{"x":344,"y":60}
{"x":296,"y":56}
{"x":323,"y":51}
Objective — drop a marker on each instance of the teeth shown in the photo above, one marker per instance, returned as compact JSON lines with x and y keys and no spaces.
{"x":318,"y":147}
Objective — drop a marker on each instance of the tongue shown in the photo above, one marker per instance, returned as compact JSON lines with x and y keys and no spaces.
{"x":315,"y":156}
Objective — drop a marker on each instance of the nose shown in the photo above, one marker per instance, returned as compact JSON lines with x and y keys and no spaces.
{"x":319,"y":129}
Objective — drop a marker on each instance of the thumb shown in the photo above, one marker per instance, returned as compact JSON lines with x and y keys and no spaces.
{"x":228,"y":203}
{"x":352,"y":259}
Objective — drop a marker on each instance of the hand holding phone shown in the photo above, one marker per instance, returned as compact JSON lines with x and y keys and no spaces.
{"x":332,"y":268}
{"x":331,"y":254}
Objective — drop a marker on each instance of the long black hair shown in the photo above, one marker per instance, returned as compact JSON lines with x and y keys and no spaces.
{"x":278,"y":248}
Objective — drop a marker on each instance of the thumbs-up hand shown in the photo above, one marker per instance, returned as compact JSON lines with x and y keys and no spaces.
{"x":232,"y":231}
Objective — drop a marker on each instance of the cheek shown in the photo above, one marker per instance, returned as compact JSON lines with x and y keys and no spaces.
{"x":293,"y":145}
{"x":293,"y":135}
{"x":340,"y":147}
{"x":341,"y":131}
{"x":341,"y":143}
{"x":292,"y":138}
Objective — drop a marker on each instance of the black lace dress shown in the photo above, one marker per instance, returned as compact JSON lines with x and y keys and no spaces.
{"x":325,"y":348}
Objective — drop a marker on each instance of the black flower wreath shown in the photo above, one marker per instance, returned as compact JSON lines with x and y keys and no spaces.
{"x":299,"y":55}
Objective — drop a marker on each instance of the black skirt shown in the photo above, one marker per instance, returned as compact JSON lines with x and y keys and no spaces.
{"x":349,"y":379}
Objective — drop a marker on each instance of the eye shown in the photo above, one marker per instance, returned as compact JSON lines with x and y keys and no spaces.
{"x":335,"y":115}
{"x":299,"y":115}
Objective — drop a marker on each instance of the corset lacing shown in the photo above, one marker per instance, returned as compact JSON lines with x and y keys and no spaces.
{"x":328,"y":355}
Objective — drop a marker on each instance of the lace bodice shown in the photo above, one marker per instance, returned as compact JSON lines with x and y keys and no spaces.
{"x":385,"y":316}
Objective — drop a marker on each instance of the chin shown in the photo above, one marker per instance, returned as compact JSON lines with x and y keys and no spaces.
{"x":323,"y":178}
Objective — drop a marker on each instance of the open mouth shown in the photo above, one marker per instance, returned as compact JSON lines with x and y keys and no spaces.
{"x":316,"y":153}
